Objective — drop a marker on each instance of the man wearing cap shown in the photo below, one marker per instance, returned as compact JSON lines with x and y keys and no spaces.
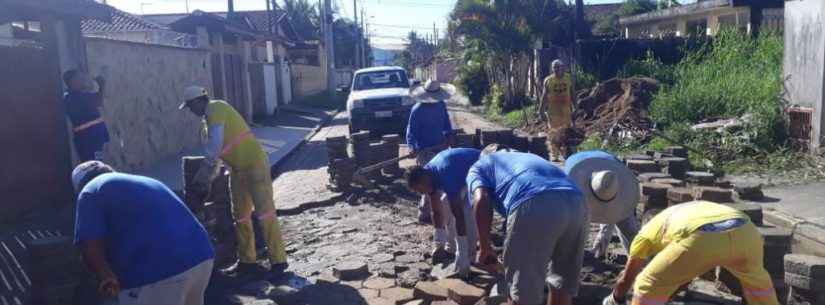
{"x":611,"y":191}
{"x":84,"y":101}
{"x":686,"y":240}
{"x":442,"y":179}
{"x":138,"y":237}
{"x":558,"y":102}
{"x":545,"y":212}
{"x":231,"y":140}
{"x":428,"y":130}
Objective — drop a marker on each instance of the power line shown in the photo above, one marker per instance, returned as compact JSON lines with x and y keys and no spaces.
{"x":422,"y":27}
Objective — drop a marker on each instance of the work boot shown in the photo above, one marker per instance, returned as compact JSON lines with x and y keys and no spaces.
{"x":244,"y":270}
{"x":278,"y":272}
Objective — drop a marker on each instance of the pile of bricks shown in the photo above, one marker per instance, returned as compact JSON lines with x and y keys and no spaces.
{"x":666,"y":180}
{"x":805,"y":277}
{"x":55,"y":270}
{"x":364,"y":152}
{"x":390,"y":144}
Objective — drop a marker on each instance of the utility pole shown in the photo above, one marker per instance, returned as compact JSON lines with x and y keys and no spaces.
{"x":230,"y":7}
{"x":329,"y":42}
{"x":357,"y":31}
{"x":363,"y":41}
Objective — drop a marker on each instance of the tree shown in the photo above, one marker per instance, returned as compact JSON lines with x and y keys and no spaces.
{"x":635,"y":7}
{"x":418,"y":52}
{"x":345,"y":39}
{"x":304,"y":17}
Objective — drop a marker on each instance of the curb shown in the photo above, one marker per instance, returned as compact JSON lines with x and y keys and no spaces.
{"x":808,"y":238}
{"x":274,"y":168}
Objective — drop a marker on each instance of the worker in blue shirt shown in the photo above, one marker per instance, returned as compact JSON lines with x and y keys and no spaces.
{"x":84,"y":101}
{"x":428,"y":131}
{"x":139,"y":238}
{"x":545,"y":212}
{"x":442,"y":179}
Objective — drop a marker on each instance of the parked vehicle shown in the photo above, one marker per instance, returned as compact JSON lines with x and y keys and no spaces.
{"x":379,"y":100}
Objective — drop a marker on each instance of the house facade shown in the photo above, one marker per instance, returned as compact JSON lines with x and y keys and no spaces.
{"x":704,"y":18}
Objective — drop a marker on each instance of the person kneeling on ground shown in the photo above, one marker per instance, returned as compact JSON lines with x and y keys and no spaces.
{"x":139,"y":238}
{"x":687,"y":240}
{"x":547,"y":222}
{"x":443,"y":179}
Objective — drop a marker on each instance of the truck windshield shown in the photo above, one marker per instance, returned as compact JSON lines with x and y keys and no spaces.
{"x":381,"y":79}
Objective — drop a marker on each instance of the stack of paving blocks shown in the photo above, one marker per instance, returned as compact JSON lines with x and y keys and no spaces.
{"x":55,"y":270}
{"x":337,"y":148}
{"x":391,"y":144}
{"x":341,"y":166}
{"x":805,"y":278}
{"x":488,"y":137}
{"x":505,"y":137}
{"x":521,"y":143}
{"x":465,"y":140}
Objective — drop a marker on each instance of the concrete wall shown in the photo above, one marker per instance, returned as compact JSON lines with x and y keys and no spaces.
{"x":804,"y":63}
{"x":307,"y":80}
{"x":143,"y":90}
{"x":664,"y":27}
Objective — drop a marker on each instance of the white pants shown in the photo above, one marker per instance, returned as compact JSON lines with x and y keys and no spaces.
{"x":449,"y":223}
{"x":186,"y":288}
{"x":627,"y":232}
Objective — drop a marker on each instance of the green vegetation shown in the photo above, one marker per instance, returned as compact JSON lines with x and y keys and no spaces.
{"x":472,"y":80}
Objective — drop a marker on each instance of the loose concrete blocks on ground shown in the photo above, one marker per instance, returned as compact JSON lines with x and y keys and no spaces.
{"x":677,"y":195}
{"x":379,"y":283}
{"x":430,"y":291}
{"x":643,"y":166}
{"x":678,"y":151}
{"x":713,"y":194}
{"x":805,"y":265}
{"x":351,"y":270}
{"x":461,"y":292}
{"x":648,"y":177}
{"x":675,"y":166}
{"x":748,"y":191}
{"x":701,"y":178}
{"x":397,"y":294}
{"x":754,"y":211}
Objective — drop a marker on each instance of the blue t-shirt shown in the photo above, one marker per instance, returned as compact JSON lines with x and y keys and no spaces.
{"x":571,"y":161}
{"x":515,"y":177}
{"x":429,"y":125}
{"x":149,"y":234}
{"x":449,"y":169}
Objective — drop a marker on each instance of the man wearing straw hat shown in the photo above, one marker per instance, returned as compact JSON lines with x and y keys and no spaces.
{"x":558,"y":102}
{"x":611,"y":191}
{"x":428,"y":131}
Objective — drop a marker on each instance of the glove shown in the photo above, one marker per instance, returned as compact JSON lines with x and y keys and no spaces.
{"x":439,"y":254}
{"x":462,"y":259}
{"x":609,"y":300}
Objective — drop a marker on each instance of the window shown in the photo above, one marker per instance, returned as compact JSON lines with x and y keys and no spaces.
{"x":381,"y":79}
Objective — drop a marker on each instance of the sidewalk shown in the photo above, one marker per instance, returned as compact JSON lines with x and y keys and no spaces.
{"x":800,"y":208}
{"x":278,"y":135}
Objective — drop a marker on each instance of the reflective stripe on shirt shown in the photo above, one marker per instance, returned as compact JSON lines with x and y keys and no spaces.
{"x":229,"y":147}
{"x":88,"y":124}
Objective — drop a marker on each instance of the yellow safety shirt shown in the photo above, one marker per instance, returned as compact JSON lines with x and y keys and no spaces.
{"x":558,"y":89}
{"x":676,"y":223}
{"x":240,"y":149}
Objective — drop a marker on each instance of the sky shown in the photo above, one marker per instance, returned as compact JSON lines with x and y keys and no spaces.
{"x":389,"y":20}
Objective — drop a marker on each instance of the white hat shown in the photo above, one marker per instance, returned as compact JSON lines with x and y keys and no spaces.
{"x":431,"y":92}
{"x":557,"y":62}
{"x":191,"y":93}
{"x":79,"y":173}
{"x":610,"y":189}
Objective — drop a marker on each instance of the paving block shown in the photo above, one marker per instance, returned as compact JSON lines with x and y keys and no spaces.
{"x":430,"y":291}
{"x":654,"y":189}
{"x":754,"y":211}
{"x":408,"y":259}
{"x":380,"y":301}
{"x":408,"y":279}
{"x":724,"y":183}
{"x":749,"y":191}
{"x":461,"y":292}
{"x":379,"y":283}
{"x":398,"y":294}
{"x":351,"y":270}
{"x":804,"y":282}
{"x":675,"y":166}
{"x":643,"y":166}
{"x":638,"y":157}
{"x":669,"y":181}
{"x":807,"y":265}
{"x":648,"y":177}
{"x":415,"y":302}
{"x":678,"y":151}
{"x":367,"y":293}
{"x":326,"y":278}
{"x":493,"y":300}
{"x":677,"y":195}
{"x":776,"y":236}
{"x":713,"y":194}
{"x":701,"y":178}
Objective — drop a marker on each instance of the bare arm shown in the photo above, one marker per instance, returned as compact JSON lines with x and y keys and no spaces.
{"x":435,"y":209}
{"x":94,"y":254}
{"x":632,"y":269}
{"x":484,"y":218}
{"x":458,"y":212}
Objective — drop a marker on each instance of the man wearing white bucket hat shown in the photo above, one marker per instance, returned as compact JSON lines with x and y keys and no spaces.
{"x":611,"y":191}
{"x":139,"y":238}
{"x":428,"y":131}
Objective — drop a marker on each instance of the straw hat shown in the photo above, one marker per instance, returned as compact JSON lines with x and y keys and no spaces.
{"x":610,"y":189}
{"x":431,"y":92}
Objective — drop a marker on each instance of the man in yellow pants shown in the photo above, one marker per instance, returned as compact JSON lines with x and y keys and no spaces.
{"x":687,"y":240}
{"x":558,"y":103}
{"x":231,"y":140}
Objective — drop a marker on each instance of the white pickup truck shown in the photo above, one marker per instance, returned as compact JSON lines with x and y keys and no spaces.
{"x":379,"y":100}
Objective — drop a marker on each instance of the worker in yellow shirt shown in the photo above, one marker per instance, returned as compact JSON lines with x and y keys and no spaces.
{"x":687,"y":240}
{"x":558,"y":103}
{"x":231,"y":140}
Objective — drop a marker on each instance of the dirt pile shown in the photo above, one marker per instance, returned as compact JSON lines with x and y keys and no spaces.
{"x":618,"y":104}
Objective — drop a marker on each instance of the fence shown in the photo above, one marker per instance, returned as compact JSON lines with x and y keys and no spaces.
{"x":307,"y":80}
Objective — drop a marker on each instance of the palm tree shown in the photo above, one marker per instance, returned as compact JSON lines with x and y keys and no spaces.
{"x":304,"y":17}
